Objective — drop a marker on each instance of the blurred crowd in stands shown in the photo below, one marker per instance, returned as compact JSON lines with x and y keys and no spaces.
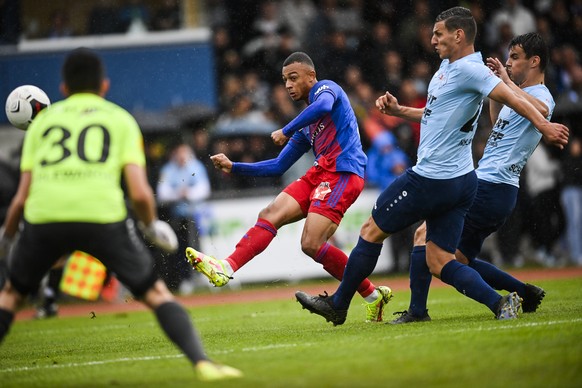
{"x":368,"y":47}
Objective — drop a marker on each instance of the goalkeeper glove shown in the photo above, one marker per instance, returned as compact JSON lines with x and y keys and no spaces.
{"x":160,"y":234}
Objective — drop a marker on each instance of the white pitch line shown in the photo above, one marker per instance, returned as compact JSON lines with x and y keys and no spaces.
{"x":88,"y":363}
{"x":519,"y":325}
{"x":274,"y":346}
{"x":148,"y":358}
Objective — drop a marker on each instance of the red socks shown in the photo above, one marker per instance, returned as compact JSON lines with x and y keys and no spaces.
{"x":256,"y":240}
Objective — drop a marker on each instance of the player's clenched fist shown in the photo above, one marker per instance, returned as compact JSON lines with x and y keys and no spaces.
{"x":387,"y":104}
{"x":221,"y":162}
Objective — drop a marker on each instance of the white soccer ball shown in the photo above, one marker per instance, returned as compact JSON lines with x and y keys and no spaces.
{"x":24,"y":103}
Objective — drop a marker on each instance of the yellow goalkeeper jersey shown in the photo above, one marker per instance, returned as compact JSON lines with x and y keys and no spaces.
{"x":76,"y":150}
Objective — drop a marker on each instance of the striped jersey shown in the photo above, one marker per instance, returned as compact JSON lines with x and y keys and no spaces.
{"x":334,"y":137}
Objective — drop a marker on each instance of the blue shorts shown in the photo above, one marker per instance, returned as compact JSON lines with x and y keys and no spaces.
{"x":492,"y":206}
{"x":443,"y":203}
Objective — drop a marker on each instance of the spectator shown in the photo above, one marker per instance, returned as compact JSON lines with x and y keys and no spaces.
{"x":420,"y":74}
{"x":544,"y":28}
{"x":362,"y":97}
{"x":480,"y":15}
{"x":569,"y":68}
{"x":338,"y":55}
{"x":576,"y":33}
{"x":352,"y":78}
{"x":347,"y":18}
{"x":231,"y":86}
{"x":216,"y":13}
{"x":510,"y":235}
{"x":201,"y":142}
{"x":266,"y":29}
{"x":257,"y":89}
{"x":241,"y":14}
{"x":385,"y":161}
{"x":283,"y":109}
{"x":298,"y":15}
{"x":104,"y":18}
{"x":319,"y":29}
{"x":182,"y":187}
{"x":243,"y":118}
{"x":520,"y":19}
{"x":545,"y":215}
{"x":421,"y":48}
{"x":167,"y":17}
{"x":266,"y":59}
{"x":10,"y":28}
{"x":504,"y":35}
{"x":134,"y":17}
{"x":571,"y":199}
{"x":411,"y":93}
{"x":226,"y":59}
{"x":382,"y":10}
{"x":60,"y":27}
{"x":420,"y":15}
{"x":371,"y":51}
{"x":560,"y":21}
{"x":393,"y":66}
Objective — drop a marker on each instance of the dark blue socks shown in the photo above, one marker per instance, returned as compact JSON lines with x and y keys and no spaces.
{"x":420,"y":278}
{"x":361,"y":263}
{"x":496,"y":278}
{"x":468,"y":281}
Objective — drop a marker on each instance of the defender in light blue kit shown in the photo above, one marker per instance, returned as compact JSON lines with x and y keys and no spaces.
{"x":511,"y":142}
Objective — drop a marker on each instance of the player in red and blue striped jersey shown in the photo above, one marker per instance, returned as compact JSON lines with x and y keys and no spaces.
{"x":328,"y":126}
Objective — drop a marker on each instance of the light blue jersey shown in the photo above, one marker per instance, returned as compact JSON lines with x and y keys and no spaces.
{"x":511,"y":142}
{"x":454,"y":102}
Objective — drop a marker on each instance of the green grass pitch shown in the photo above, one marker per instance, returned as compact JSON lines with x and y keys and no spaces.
{"x":277,"y":344}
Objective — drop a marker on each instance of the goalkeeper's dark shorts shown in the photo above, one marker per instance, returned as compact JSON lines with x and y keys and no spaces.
{"x":116,"y":245}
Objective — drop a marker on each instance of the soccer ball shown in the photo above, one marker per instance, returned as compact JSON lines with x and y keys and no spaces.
{"x":24,"y":103}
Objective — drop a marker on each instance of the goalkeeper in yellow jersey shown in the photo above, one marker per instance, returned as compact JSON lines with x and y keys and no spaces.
{"x":70,"y":198}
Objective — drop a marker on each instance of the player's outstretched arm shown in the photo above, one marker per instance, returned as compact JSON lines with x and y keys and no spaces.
{"x":291,"y":153}
{"x":140,"y":193}
{"x":553,"y":133}
{"x":222,"y":162}
{"x":388,"y":104}
{"x":497,"y":67}
{"x":142,"y":198}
